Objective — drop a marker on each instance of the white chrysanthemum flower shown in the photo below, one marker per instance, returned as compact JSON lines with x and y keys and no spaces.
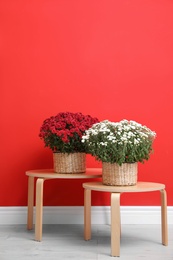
{"x":123,"y":140}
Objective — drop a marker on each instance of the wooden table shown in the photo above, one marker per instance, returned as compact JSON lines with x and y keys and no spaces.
{"x":116,"y":192}
{"x":42,"y":175}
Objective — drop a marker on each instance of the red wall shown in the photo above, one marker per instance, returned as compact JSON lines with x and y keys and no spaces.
{"x":109,"y":58}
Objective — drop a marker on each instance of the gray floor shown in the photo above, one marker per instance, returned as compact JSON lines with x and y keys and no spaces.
{"x":63,"y":242}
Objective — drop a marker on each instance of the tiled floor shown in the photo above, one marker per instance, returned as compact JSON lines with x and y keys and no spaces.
{"x":63,"y":242}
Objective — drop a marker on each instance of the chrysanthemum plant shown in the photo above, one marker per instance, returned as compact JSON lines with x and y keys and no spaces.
{"x":63,"y":132}
{"x":119,"y":142}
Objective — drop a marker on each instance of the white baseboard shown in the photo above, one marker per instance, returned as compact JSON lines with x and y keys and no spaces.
{"x":74,"y":215}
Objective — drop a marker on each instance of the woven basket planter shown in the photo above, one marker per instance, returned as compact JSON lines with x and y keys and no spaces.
{"x":69,"y":163}
{"x":116,"y":175}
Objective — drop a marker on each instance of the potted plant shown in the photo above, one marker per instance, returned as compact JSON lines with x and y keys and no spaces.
{"x":62,"y":133}
{"x":120,"y":146}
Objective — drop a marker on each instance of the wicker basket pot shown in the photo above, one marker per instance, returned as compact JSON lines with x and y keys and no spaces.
{"x":116,"y":175}
{"x":69,"y":162}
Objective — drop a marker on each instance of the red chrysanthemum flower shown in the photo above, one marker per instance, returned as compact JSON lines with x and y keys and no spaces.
{"x":63,"y":132}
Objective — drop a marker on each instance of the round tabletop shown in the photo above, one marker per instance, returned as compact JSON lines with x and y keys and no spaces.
{"x":139,"y":187}
{"x":51,"y":174}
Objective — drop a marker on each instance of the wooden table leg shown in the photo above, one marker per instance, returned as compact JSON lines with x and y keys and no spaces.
{"x":30,"y":202}
{"x":39,"y":209}
{"x":87,"y":214}
{"x":164,"y":217}
{"x":115,"y":224}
